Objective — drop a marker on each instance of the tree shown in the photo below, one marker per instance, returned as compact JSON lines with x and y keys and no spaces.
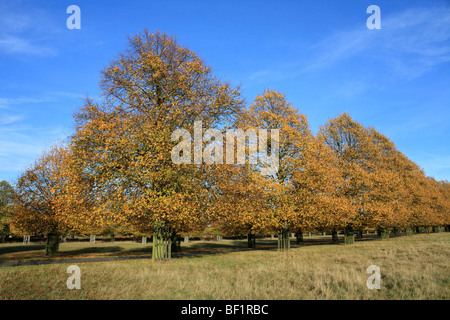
{"x":124,"y":143}
{"x":6,"y":206}
{"x":271,"y":111}
{"x":320,"y":190}
{"x":352,"y":146}
{"x":241,"y":202}
{"x":50,"y":199}
{"x":37,"y":190}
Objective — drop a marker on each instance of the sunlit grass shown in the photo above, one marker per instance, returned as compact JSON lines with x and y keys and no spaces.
{"x":415,"y":267}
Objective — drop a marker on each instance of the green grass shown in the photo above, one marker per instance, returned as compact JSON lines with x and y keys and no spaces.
{"x":415,"y":267}
{"x":10,"y":252}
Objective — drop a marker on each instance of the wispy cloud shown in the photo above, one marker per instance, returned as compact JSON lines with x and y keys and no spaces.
{"x":21,"y":143}
{"x":409,"y":44}
{"x":22,"y":31}
{"x":13,"y":44}
{"x":8,"y":119}
{"x":22,"y":140}
{"x":412,"y":42}
{"x":6,"y":103}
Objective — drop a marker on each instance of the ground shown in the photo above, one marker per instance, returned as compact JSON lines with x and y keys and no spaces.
{"x":412,"y":267}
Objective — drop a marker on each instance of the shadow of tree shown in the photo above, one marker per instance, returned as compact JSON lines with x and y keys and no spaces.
{"x":77,"y":252}
{"x":21,"y":248}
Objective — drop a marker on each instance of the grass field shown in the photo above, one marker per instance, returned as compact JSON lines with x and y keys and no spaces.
{"x":414,"y":267}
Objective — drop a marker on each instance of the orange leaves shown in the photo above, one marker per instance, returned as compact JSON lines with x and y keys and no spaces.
{"x":124,"y":144}
{"x":117,"y":174}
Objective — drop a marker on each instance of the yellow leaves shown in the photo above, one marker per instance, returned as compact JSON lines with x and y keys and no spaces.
{"x":117,"y":172}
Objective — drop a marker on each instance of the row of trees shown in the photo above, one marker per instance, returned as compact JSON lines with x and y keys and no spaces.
{"x":116,"y":174}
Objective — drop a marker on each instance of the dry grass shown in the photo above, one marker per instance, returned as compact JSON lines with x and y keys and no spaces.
{"x":415,"y":267}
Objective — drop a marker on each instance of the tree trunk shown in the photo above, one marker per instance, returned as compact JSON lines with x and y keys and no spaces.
{"x":334,"y":236}
{"x":359,"y":234}
{"x":349,"y":235}
{"x":409,"y":231}
{"x":284,"y":242}
{"x":52,"y":244}
{"x":251,"y":240}
{"x":299,"y":236}
{"x":175,"y":243}
{"x":26,"y":239}
{"x":383,"y":233}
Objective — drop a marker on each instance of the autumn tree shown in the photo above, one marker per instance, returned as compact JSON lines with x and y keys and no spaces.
{"x":355,"y":152}
{"x":271,"y":111}
{"x":387,"y":189}
{"x":124,"y":142}
{"x":37,"y":191}
{"x":320,"y":190}
{"x":241,"y":204}
{"x":6,"y":206}
{"x":50,"y":199}
{"x":444,"y":189}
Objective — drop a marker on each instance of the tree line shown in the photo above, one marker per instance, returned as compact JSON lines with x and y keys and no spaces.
{"x":115,"y":173}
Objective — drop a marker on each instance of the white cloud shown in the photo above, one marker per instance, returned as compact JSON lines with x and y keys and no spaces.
{"x":411,"y":42}
{"x":24,"y":30}
{"x":14,"y":44}
{"x":20,"y":144}
{"x":8,"y":119}
{"x":6,"y":103}
{"x":408,"y":45}
{"x":21,"y":141}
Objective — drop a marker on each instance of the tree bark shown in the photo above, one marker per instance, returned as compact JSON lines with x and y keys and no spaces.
{"x":251,"y":240}
{"x":383,"y":233}
{"x":359,"y":234}
{"x":334,"y":236}
{"x":299,"y":236}
{"x":349,"y":235}
{"x":409,"y":231}
{"x":52,"y":244}
{"x":175,"y":243}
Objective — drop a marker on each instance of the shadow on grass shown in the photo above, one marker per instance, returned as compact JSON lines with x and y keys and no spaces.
{"x":214,"y":245}
{"x":77,"y":252}
{"x":192,"y":250}
{"x":101,"y":251}
{"x":21,"y":248}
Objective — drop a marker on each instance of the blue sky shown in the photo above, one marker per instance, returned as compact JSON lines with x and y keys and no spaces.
{"x":319,"y":53}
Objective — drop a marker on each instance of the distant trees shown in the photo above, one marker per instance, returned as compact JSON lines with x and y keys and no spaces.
{"x":37,"y":195}
{"x":6,"y":208}
{"x":50,"y":199}
{"x":116,"y":173}
{"x":386,"y":188}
